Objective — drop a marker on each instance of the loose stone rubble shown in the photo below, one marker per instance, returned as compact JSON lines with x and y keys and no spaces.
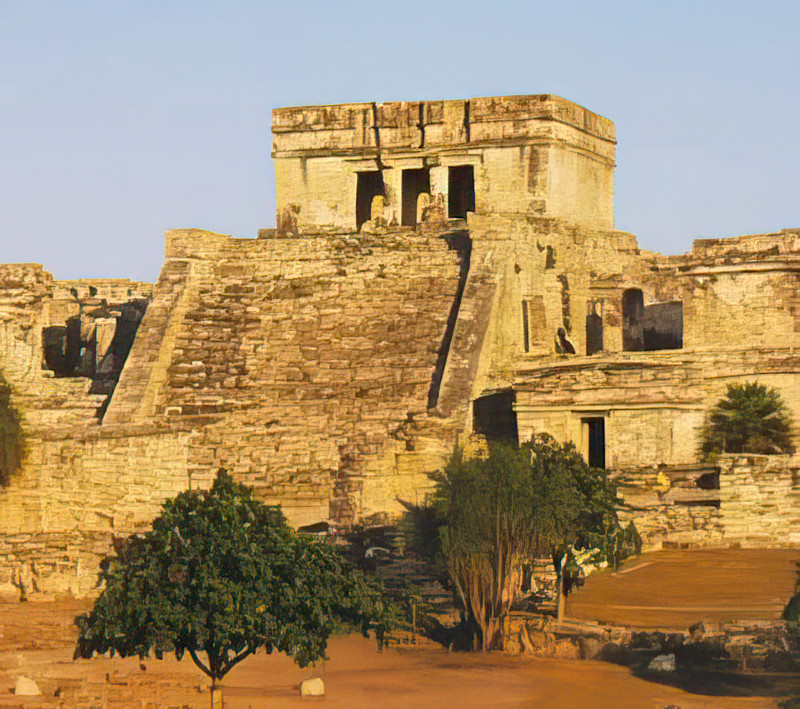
{"x":754,"y":646}
{"x":438,"y":269}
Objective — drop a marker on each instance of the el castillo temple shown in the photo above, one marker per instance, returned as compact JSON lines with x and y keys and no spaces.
{"x":439,"y":269}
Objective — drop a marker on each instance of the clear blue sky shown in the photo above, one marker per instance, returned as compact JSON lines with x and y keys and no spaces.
{"x":119,"y":120}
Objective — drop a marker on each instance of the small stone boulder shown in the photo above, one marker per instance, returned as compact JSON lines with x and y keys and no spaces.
{"x":26,"y":687}
{"x":312,"y":687}
{"x":614,"y":652}
{"x":697,"y":631}
{"x":590,"y":648}
{"x":674,"y":641}
{"x":662,"y":663}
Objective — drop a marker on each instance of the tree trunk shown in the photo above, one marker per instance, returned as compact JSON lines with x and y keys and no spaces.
{"x":216,"y":695}
{"x":561,"y":600}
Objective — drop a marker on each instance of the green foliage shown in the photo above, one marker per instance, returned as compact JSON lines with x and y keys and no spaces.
{"x":611,"y":543}
{"x":12,"y":439}
{"x":494,"y":513}
{"x":221,"y":575}
{"x":750,"y":418}
{"x":792,"y":610}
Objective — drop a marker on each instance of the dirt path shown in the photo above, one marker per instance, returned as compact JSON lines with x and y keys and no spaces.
{"x":678,"y":588}
{"x":37,"y":641}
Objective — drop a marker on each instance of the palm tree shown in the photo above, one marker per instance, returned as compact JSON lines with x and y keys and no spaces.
{"x":750,"y":418}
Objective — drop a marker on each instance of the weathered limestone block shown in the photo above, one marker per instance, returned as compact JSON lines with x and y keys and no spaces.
{"x":26,"y":687}
{"x":312,"y":687}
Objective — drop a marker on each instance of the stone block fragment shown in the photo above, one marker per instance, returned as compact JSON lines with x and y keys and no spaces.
{"x":26,"y":687}
{"x":312,"y":687}
{"x":662,"y":663}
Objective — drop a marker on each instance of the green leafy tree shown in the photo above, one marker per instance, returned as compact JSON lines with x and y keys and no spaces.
{"x":750,"y":418}
{"x":12,"y":439}
{"x":496,"y":512}
{"x":221,"y":575}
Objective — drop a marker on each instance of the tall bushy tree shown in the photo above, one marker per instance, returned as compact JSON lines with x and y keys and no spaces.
{"x":221,"y":575}
{"x":12,"y":439}
{"x":495,"y":512}
{"x":750,"y":418}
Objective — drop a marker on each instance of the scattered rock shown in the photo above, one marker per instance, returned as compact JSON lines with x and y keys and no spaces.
{"x":312,"y":687}
{"x":674,"y":641}
{"x":590,"y":648}
{"x":613,"y":652}
{"x":537,"y":642}
{"x":648,"y":640}
{"x":26,"y":687}
{"x":566,"y":650}
{"x":779,"y":661}
{"x":697,"y":631}
{"x":662,"y":663}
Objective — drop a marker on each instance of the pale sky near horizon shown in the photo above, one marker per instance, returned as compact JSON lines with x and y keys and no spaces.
{"x":119,"y":120}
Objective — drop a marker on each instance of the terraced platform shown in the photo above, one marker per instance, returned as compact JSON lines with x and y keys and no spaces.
{"x":674,"y":589}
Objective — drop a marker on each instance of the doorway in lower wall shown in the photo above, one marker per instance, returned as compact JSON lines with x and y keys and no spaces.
{"x":594,"y":436}
{"x":493,"y":416}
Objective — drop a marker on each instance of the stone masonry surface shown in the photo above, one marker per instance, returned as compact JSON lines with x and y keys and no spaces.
{"x":439,"y":269}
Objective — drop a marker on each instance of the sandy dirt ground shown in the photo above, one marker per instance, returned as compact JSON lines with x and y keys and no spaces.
{"x":662,"y":589}
{"x":37,"y":641}
{"x":673,"y":589}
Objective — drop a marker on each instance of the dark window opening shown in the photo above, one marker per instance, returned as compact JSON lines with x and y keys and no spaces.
{"x":594,"y":329}
{"x":368,"y":186}
{"x":708,"y":481}
{"x":597,"y":442}
{"x":73,"y":347}
{"x":527,"y":578}
{"x":97,"y":348}
{"x":494,"y":417}
{"x":54,"y":341}
{"x":460,"y":191}
{"x":525,"y":327}
{"x":66,"y":353}
{"x":663,"y":326}
{"x":650,"y":327}
{"x":415,"y":183}
{"x":632,"y":320}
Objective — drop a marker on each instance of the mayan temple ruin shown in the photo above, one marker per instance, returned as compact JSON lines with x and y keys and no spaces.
{"x":439,"y":268}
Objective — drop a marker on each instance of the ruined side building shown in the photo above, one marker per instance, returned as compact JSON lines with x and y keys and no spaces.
{"x":438,"y":268}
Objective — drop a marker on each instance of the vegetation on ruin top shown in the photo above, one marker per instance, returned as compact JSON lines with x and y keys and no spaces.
{"x":750,"y":418}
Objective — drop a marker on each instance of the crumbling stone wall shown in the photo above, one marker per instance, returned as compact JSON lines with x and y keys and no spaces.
{"x":25,"y":294}
{"x":77,"y":485}
{"x":748,"y":500}
{"x":738,"y":325}
{"x":672,"y":505}
{"x":759,"y":497}
{"x":76,"y":490}
{"x":296,"y":360}
{"x":31,"y":304}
